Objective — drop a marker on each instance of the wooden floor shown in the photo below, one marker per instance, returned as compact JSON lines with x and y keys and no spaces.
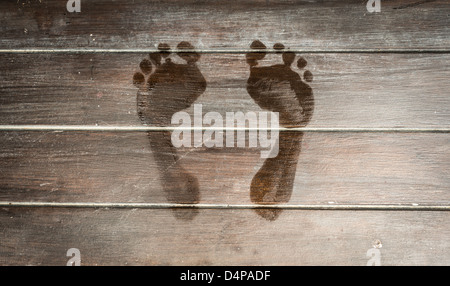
{"x":362,"y":176}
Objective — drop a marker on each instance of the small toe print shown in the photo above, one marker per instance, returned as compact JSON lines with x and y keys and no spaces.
{"x":308,"y":76}
{"x":278,"y":47}
{"x":301,"y":63}
{"x":138,"y":79}
{"x":146,"y":66}
{"x":185,"y":46}
{"x":288,"y":58}
{"x":164,"y":48}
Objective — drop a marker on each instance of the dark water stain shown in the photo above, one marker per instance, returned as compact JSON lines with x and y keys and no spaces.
{"x":274,"y":182}
{"x":165,"y":88}
{"x":278,"y":88}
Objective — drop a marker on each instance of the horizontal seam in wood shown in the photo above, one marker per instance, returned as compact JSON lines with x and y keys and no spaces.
{"x":61,"y":128}
{"x":374,"y":207}
{"x":223,"y":51}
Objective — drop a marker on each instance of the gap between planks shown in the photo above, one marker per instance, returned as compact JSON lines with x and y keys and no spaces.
{"x":57,"y":128}
{"x":225,"y":51}
{"x":375,"y":207}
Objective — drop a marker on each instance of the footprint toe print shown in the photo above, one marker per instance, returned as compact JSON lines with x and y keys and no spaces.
{"x":166,"y":87}
{"x":278,"y":88}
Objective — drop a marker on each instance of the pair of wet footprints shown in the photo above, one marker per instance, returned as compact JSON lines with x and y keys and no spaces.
{"x":166,"y":87}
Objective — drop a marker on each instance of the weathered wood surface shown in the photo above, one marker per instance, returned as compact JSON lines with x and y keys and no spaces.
{"x":362,"y":90}
{"x":341,"y":168}
{"x":379,"y":70}
{"x":226,"y":237}
{"x":323,"y":25}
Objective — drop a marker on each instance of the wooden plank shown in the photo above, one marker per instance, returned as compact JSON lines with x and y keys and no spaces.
{"x":42,"y":236}
{"x":369,"y":70}
{"x":318,"y":168}
{"x":350,"y":90}
{"x":323,"y":25}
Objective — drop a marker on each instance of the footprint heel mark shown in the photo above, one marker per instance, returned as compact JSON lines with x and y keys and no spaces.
{"x":273,"y":183}
{"x":278,"y":88}
{"x":166,"y":87}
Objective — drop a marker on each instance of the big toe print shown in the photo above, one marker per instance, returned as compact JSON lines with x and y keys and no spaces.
{"x":166,"y":87}
{"x":278,"y":88}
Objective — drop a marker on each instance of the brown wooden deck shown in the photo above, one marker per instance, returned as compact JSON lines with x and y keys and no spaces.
{"x":78,"y":169}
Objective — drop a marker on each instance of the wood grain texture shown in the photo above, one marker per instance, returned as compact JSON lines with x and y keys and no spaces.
{"x":121,"y":167}
{"x":324,"y":25}
{"x":375,"y":90}
{"x":369,"y":70}
{"x":33,"y":236}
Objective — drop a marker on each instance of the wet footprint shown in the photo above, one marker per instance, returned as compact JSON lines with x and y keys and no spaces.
{"x":166,"y":87}
{"x":278,"y":88}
